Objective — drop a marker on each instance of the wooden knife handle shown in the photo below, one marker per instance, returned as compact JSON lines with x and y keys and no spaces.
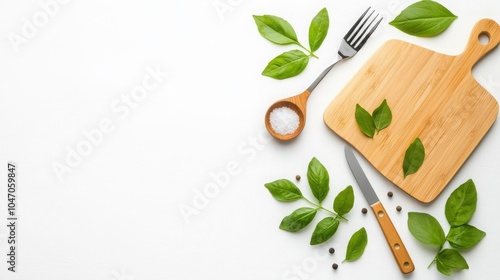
{"x":391,"y":235}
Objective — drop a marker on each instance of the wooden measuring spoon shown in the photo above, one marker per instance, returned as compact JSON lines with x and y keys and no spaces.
{"x":298,"y":104}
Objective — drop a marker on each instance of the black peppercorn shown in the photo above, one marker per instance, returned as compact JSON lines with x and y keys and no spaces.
{"x":364,"y":211}
{"x":297,"y":177}
{"x":335,"y":266}
{"x":389,"y":194}
{"x":398,"y":208}
{"x":331,"y":250}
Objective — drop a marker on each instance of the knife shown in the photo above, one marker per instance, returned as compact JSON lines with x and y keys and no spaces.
{"x":391,"y":235}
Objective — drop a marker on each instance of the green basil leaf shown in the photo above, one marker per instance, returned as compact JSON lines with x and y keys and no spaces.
{"x":461,"y":204}
{"x":276,"y":29}
{"x":414,"y":157}
{"x":465,"y":236}
{"x":424,"y":19}
{"x":344,"y":201}
{"x":448,"y":260}
{"x":284,"y":190}
{"x":318,"y":178}
{"x":298,"y":220}
{"x":426,"y":229}
{"x":318,"y":29}
{"x":324,"y":230}
{"x":365,"y":121}
{"x":356,"y":246}
{"x":286,"y":65}
{"x":382,"y":116}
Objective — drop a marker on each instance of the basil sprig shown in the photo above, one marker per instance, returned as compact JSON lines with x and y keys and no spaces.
{"x":424,"y":19}
{"x":279,"y":31}
{"x":319,"y":179}
{"x":284,"y":190}
{"x":318,"y":29}
{"x":365,"y":121}
{"x":299,"y":219}
{"x":414,"y":157}
{"x":378,"y":120}
{"x":319,"y":182}
{"x":276,"y":30}
{"x":382,"y":116}
{"x":344,"y":202}
{"x":324,"y":230}
{"x":356,"y":246}
{"x":286,"y":65}
{"x":459,"y":209}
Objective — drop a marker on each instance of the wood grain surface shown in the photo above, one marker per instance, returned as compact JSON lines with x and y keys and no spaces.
{"x":432,"y":96}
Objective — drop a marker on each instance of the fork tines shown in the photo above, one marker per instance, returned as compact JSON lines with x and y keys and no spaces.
{"x":356,"y":40}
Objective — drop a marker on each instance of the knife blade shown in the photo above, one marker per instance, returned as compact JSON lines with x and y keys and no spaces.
{"x":398,"y":249}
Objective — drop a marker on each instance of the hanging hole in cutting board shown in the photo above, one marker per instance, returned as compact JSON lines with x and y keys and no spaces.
{"x":484,"y":38}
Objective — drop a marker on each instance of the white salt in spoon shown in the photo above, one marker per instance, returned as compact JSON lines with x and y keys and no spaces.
{"x":298,"y":104}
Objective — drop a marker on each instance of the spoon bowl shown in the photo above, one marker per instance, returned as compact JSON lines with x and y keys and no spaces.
{"x":296,"y":103}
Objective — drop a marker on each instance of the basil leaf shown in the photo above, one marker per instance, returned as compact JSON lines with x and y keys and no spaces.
{"x":356,"y":246}
{"x":382,"y":116}
{"x":284,"y":190}
{"x":365,"y":121}
{"x":449,"y":259}
{"x":286,"y":65}
{"x":318,"y":178}
{"x":461,"y":204}
{"x":276,"y":29}
{"x":318,"y":29}
{"x":465,"y":236}
{"x":424,"y":19}
{"x":298,"y":220}
{"x":426,"y":229}
{"x":414,"y":157}
{"x":344,"y":201}
{"x":324,"y":230}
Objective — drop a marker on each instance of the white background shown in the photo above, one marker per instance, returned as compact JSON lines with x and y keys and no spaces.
{"x":117,"y":214}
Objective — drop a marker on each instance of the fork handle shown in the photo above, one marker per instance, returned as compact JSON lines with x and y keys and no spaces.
{"x":322,"y":75}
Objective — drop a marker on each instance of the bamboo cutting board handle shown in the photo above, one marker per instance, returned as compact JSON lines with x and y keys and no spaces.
{"x":398,"y":249}
{"x":475,"y":50}
{"x":433,"y":96}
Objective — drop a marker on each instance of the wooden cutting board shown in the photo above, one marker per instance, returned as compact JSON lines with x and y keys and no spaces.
{"x":432,"y":96}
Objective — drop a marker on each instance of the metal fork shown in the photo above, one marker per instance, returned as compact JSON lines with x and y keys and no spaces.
{"x":353,"y":41}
